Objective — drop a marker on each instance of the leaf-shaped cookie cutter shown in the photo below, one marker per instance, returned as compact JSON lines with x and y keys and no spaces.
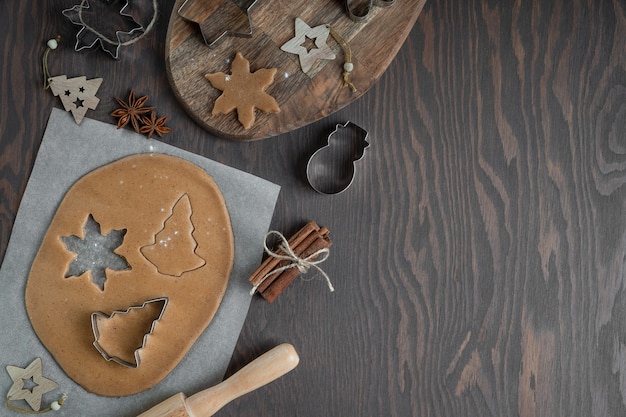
{"x":328,"y":176}
{"x":96,"y":331}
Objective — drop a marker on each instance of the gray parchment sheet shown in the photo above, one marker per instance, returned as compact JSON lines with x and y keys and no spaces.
{"x":68,"y":151}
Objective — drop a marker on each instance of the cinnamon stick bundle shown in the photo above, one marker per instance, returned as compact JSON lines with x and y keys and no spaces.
{"x":304,"y":243}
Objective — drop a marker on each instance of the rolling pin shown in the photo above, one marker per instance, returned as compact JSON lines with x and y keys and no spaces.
{"x":263,"y":370}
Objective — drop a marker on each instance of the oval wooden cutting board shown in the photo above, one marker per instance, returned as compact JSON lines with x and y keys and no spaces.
{"x":302,"y":98}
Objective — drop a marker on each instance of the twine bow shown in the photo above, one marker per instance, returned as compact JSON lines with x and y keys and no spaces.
{"x":302,"y":264}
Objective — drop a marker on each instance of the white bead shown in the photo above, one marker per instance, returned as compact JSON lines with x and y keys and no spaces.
{"x":55,"y":406}
{"x":348,"y":67}
{"x":52,"y":44}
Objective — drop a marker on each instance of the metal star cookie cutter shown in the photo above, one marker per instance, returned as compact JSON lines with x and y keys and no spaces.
{"x":359,"y":10}
{"x":88,"y":36}
{"x":330,"y":169}
{"x":97,"y":331}
{"x":219,"y":18}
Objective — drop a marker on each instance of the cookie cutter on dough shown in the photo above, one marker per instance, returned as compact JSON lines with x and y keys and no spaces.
{"x":330,"y":169}
{"x":88,"y":36}
{"x":96,"y":331}
{"x":359,"y":10}
{"x":233,"y":16}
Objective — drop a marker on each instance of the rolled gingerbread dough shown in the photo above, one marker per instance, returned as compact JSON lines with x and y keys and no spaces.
{"x":174,"y":211}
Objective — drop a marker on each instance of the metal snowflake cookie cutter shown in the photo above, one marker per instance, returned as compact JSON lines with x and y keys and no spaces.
{"x":359,"y":10}
{"x":219,"y":18}
{"x":108,"y":349}
{"x":330,"y":169}
{"x":88,"y":36}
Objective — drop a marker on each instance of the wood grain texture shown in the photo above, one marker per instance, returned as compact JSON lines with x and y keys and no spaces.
{"x":478,"y":257}
{"x":171,"y":407}
{"x":302,"y":98}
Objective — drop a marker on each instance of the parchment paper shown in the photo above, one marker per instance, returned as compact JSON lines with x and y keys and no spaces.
{"x":68,"y":151}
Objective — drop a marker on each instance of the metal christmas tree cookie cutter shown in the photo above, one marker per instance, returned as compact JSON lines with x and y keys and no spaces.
{"x":97,"y":332}
{"x":330,"y":169}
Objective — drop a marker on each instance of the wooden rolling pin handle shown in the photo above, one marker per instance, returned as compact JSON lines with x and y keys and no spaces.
{"x":263,"y":370}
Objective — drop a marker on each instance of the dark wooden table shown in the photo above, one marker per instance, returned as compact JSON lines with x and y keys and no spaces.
{"x":479,"y":258}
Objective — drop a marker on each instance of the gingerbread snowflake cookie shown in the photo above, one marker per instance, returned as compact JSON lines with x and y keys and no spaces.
{"x":243,"y":91}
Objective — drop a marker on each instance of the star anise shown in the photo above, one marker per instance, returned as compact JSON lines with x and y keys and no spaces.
{"x":154,"y":125}
{"x":131,"y":111}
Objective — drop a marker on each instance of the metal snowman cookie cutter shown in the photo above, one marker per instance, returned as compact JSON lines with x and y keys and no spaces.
{"x":330,"y":169}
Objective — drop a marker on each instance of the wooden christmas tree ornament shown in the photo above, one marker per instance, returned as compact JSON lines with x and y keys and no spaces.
{"x":77,"y":94}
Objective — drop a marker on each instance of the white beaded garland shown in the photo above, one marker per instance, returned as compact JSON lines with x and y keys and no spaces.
{"x":52,"y":44}
{"x":55,"y":406}
{"x":348,"y":66}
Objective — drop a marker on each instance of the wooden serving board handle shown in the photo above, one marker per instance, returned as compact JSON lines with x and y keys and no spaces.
{"x":263,"y":370}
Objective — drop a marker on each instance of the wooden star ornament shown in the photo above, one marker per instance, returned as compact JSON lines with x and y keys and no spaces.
{"x":41,"y":385}
{"x":243,"y":91}
{"x":297,"y":44}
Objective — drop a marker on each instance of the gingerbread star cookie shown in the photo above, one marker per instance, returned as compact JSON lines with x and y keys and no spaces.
{"x":243,"y":91}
